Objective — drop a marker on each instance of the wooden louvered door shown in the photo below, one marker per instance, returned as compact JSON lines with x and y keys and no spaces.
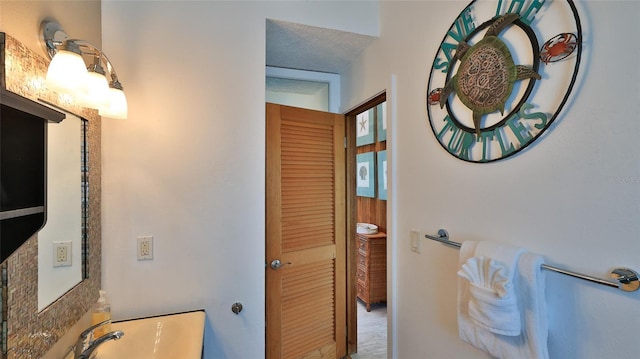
{"x":306,"y":231}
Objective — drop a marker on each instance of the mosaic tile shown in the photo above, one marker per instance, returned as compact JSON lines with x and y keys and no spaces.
{"x":30,"y":334}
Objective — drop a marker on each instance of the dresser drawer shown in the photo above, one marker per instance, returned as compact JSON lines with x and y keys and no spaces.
{"x":362,"y":276}
{"x":363,"y":245}
{"x":362,"y":260}
{"x":363,"y":294}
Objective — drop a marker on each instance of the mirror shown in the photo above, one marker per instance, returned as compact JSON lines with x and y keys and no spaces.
{"x":61,"y":241}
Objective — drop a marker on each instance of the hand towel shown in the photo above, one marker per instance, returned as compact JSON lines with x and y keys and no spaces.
{"x":493,"y":303}
{"x":528,"y":281}
{"x":491,"y":309}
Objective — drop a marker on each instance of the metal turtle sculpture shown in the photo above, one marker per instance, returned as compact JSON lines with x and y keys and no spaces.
{"x":486,"y":74}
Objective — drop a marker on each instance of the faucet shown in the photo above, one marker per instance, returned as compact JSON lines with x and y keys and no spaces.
{"x":84,"y":348}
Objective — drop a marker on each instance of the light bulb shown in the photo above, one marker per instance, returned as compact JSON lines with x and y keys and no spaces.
{"x":95,"y":91}
{"x":116,"y":106}
{"x":66,"y":72}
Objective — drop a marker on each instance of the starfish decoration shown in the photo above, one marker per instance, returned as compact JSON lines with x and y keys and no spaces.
{"x":363,"y":124}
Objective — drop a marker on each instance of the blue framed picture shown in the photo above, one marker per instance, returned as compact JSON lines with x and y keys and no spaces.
{"x":365,"y":127}
{"x":365,"y":175}
{"x":382,"y":175}
{"x":381,"y":110}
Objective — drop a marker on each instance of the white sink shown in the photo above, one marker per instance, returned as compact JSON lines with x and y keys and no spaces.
{"x":164,"y":337}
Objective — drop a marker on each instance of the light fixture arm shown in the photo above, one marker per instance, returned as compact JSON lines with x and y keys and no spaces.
{"x":110,"y":70}
{"x":94,"y":51}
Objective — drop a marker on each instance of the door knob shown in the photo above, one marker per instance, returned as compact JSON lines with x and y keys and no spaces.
{"x":276,"y":264}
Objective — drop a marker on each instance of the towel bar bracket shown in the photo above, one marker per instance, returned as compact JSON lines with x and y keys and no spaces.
{"x":628,"y":279}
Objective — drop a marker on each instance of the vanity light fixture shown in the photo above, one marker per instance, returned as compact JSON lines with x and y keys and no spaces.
{"x":95,"y":86}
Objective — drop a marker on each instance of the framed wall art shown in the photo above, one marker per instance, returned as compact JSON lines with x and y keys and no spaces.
{"x":365,"y":128}
{"x":365,"y":175}
{"x":382,"y":175}
{"x":381,"y":111}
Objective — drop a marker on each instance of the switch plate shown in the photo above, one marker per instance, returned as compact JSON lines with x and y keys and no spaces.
{"x":145,"y":248}
{"x":416,"y":244}
{"x":62,"y":254}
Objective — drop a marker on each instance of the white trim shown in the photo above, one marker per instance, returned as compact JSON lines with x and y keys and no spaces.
{"x":393,"y":247}
{"x":332,"y":79}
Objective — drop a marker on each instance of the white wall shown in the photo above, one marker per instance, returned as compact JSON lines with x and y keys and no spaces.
{"x":572,"y":196}
{"x":187,"y":166}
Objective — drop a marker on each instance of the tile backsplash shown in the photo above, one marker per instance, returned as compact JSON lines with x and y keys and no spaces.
{"x":27,"y":333}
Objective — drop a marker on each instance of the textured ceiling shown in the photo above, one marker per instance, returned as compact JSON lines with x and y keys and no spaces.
{"x":303,"y":47}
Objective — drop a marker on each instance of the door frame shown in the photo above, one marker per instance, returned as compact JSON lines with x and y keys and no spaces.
{"x":333,"y":80}
{"x":351,"y":220}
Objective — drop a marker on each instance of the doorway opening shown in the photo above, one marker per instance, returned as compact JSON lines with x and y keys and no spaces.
{"x":314,"y":58}
{"x":367,"y":164}
{"x":366,"y":195}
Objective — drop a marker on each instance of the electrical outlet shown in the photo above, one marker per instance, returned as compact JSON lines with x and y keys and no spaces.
{"x":416,"y":244}
{"x":145,"y":248}
{"x":62,"y":254}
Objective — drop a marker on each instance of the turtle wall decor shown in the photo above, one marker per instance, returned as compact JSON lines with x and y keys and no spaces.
{"x":486,"y":74}
{"x":494,"y":88}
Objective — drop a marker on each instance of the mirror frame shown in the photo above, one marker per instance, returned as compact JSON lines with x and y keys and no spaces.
{"x":22,"y":71}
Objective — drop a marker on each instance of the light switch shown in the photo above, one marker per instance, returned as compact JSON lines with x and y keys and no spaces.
{"x":416,"y":244}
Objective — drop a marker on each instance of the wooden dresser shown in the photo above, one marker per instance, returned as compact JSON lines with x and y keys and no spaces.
{"x":372,"y":268}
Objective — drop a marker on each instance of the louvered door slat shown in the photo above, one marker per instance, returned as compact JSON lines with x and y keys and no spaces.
{"x":302,"y":330}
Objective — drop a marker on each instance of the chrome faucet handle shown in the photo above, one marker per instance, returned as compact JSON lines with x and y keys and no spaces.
{"x":88,"y":331}
{"x":85,"y":353}
{"x":82,"y":343}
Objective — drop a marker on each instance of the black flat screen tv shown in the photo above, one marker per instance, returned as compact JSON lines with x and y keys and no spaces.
{"x":23,"y":141}
{"x":22,"y":160}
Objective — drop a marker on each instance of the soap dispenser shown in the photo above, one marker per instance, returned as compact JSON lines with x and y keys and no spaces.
{"x":101,"y":312}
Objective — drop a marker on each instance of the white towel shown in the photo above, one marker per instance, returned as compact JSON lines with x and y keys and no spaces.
{"x":528,"y":283}
{"x":493,"y":303}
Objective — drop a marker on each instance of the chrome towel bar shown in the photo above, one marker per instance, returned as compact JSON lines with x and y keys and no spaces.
{"x":627,"y":279}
